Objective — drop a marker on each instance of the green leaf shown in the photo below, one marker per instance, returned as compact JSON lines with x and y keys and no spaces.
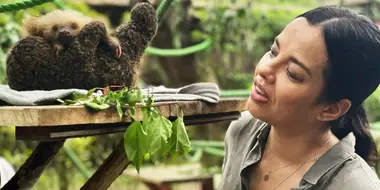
{"x":91,"y":91}
{"x":136,"y":144}
{"x":140,"y":96}
{"x":159,"y":130}
{"x":67,"y":101}
{"x":119,"y":109}
{"x":132,"y":112}
{"x":134,"y":97}
{"x":146,"y":119}
{"x":179,"y":141}
{"x":96,"y":100}
{"x":147,"y":157}
{"x":76,"y":96}
{"x":96,"y":106}
{"x":149,"y":102}
{"x":155,"y":112}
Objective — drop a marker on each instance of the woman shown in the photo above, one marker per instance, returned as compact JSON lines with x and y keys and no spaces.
{"x":305,"y":127}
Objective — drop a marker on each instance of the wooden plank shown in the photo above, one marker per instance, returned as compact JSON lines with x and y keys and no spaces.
{"x":111,"y":168}
{"x":58,"y":115}
{"x":65,"y":132}
{"x":33,"y":167}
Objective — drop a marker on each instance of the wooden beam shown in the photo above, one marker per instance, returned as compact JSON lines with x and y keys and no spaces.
{"x":59,"y":115}
{"x":111,"y":168}
{"x":64,"y":132}
{"x":32,"y":169}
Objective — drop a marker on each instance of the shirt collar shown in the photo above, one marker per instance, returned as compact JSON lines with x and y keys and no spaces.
{"x":263,"y":134}
{"x":255,"y":150}
{"x":254,"y":154}
{"x":340,"y":152}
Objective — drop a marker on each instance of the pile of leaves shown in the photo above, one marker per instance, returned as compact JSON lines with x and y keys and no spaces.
{"x":153,"y":137}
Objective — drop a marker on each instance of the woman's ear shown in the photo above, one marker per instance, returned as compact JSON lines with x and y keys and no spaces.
{"x":335,"y":110}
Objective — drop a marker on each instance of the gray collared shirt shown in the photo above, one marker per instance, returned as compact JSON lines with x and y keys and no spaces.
{"x":338,"y":169}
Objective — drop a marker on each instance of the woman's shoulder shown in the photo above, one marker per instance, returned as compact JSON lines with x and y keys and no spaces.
{"x":245,"y":126}
{"x":355,"y":174}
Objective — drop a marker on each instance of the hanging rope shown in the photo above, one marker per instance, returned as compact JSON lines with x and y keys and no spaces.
{"x":21,"y":5}
{"x":162,"y":9}
{"x":179,"y":52}
{"x":60,"y":4}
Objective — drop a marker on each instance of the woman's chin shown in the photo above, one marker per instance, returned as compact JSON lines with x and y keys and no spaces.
{"x":258,"y":111}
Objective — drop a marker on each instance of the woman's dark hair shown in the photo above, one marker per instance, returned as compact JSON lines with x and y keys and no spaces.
{"x":353,"y":70}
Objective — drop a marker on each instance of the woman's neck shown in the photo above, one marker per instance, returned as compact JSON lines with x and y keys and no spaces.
{"x":297,"y":146}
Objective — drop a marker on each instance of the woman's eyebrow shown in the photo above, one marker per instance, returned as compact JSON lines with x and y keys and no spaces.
{"x":277,"y":43}
{"x":302,"y":65}
{"x":295,"y":60}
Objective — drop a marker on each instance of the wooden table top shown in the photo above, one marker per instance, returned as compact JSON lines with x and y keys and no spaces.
{"x":61,"y":115}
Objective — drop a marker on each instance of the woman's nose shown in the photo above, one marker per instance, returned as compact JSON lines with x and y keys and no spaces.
{"x":267,"y":72}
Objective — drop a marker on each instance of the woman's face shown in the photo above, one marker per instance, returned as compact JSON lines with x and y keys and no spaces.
{"x":289,"y":78}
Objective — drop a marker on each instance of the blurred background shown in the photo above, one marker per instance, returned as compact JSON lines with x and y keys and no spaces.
{"x":216,"y":41}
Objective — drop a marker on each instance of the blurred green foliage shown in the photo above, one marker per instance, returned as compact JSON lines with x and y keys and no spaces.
{"x":9,"y":30}
{"x":372,"y":106}
{"x":241,"y":35}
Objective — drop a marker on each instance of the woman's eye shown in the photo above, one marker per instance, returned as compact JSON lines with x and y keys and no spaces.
{"x":272,"y":52}
{"x":292,"y":75}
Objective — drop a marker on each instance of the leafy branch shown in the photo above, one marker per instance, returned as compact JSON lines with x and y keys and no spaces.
{"x":151,"y":138}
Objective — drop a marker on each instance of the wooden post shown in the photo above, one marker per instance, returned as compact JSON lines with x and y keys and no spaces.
{"x":208,"y":184}
{"x":111,"y":168}
{"x":32,"y":169}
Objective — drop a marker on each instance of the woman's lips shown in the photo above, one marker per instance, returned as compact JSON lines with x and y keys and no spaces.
{"x":258,"y":94}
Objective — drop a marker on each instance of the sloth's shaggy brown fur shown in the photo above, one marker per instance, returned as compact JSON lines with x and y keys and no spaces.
{"x":86,"y":62}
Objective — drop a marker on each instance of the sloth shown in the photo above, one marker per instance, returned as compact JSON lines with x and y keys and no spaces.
{"x":61,"y":26}
{"x":90,"y":58}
